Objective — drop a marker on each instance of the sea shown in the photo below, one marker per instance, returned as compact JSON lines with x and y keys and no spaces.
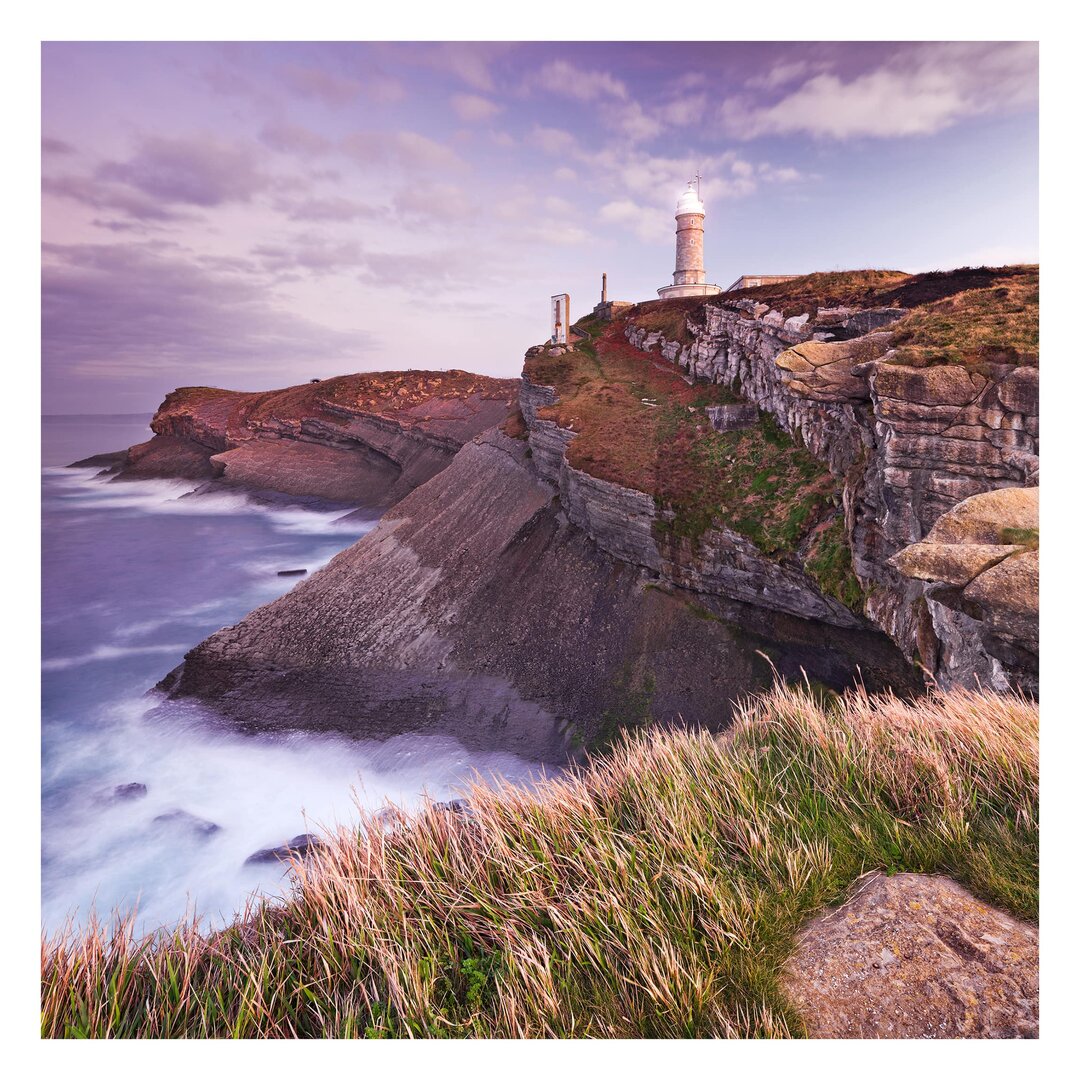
{"x":151,"y":808}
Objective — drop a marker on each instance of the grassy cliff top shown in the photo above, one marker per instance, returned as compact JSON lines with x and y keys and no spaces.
{"x":968,"y":316}
{"x":385,"y":393}
{"x":641,"y":425}
{"x":656,"y":894}
{"x":439,"y":401}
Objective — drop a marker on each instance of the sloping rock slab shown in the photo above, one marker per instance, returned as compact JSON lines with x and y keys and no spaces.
{"x":916,"y":957}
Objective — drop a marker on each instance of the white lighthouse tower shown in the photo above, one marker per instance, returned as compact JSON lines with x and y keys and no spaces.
{"x":689,"y":277}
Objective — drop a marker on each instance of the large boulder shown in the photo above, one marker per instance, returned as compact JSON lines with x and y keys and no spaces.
{"x":915,"y":957}
{"x":981,"y":561}
{"x":830,"y":371}
{"x":992,"y":517}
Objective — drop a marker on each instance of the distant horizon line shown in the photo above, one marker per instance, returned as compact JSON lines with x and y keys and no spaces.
{"x":68,"y":416}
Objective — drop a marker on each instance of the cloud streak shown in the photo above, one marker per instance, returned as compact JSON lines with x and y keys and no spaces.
{"x":134,"y":309}
{"x":921,"y":91}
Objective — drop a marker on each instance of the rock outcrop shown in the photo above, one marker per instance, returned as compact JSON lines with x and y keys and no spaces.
{"x":623,"y":522}
{"x":915,"y":957}
{"x":357,"y":440}
{"x":478,"y":607}
{"x":908,"y":442}
{"x":981,"y":559}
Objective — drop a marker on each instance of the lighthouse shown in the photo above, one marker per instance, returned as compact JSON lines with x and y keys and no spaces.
{"x":689,"y":277}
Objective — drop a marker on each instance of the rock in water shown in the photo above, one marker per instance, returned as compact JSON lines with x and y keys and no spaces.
{"x":129,"y":791}
{"x":181,"y":819}
{"x":916,"y":957}
{"x":301,"y":845}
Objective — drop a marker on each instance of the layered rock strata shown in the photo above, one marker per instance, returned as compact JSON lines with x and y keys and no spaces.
{"x":480,"y":608}
{"x":909,"y":443}
{"x":981,"y":560}
{"x":363,"y":440}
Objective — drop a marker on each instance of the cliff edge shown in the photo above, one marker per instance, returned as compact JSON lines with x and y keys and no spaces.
{"x":357,"y":440}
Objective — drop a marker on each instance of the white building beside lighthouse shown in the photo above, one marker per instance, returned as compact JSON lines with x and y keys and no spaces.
{"x":689,"y":277}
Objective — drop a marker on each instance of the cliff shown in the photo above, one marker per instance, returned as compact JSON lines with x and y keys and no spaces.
{"x":365,"y":439}
{"x":917,"y":392}
{"x":478,"y":608}
{"x":688,"y":495}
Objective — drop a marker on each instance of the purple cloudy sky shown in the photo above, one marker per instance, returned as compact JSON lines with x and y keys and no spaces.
{"x":252,"y":215}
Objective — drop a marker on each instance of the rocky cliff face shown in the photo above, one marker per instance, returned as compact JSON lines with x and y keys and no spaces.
{"x":628,"y":525}
{"x":478,"y":607}
{"x":528,"y":595}
{"x":981,"y":560}
{"x":356,"y":440}
{"x":908,"y":442}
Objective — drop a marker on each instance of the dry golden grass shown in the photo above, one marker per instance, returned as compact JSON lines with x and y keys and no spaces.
{"x":655,"y":893}
{"x":997,"y":321}
{"x":965,"y":316}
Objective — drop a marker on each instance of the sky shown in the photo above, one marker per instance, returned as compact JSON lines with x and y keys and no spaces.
{"x":252,"y":215}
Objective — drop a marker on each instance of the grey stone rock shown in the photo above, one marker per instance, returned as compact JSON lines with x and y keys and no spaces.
{"x":189,"y":823}
{"x":299,"y":846}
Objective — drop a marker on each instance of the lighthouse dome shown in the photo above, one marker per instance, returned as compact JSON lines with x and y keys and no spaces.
{"x":689,"y":203}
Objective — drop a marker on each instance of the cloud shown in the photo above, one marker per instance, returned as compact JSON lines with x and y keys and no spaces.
{"x":340,"y":90}
{"x":469,"y":61}
{"x":330,"y":208}
{"x":433,"y":271}
{"x":310,"y":254}
{"x":101,"y":195}
{"x":564,"y":79}
{"x":648,"y":223}
{"x":194,"y":171}
{"x":683,"y":111}
{"x":785,"y":72}
{"x":56,"y":146}
{"x":643,"y":187}
{"x":565,"y":174}
{"x":136,"y":310}
{"x":434,"y":202}
{"x":295,"y":139}
{"x":472,"y":108}
{"x":632,"y":122}
{"x":405,"y":149}
{"x":553,"y":140}
{"x":919,"y":91}
{"x":783,"y":174}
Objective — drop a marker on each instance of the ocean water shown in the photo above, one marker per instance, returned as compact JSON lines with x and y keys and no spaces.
{"x":133,"y":575}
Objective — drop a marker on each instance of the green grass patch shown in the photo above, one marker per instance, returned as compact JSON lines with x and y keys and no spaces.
{"x":1028,"y":538}
{"x":828,"y":562}
{"x":759,"y":482}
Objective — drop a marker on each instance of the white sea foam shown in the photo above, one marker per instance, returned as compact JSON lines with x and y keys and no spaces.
{"x":87,"y":489}
{"x":110,"y":853}
{"x":107,"y":652}
{"x":118,"y":593}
